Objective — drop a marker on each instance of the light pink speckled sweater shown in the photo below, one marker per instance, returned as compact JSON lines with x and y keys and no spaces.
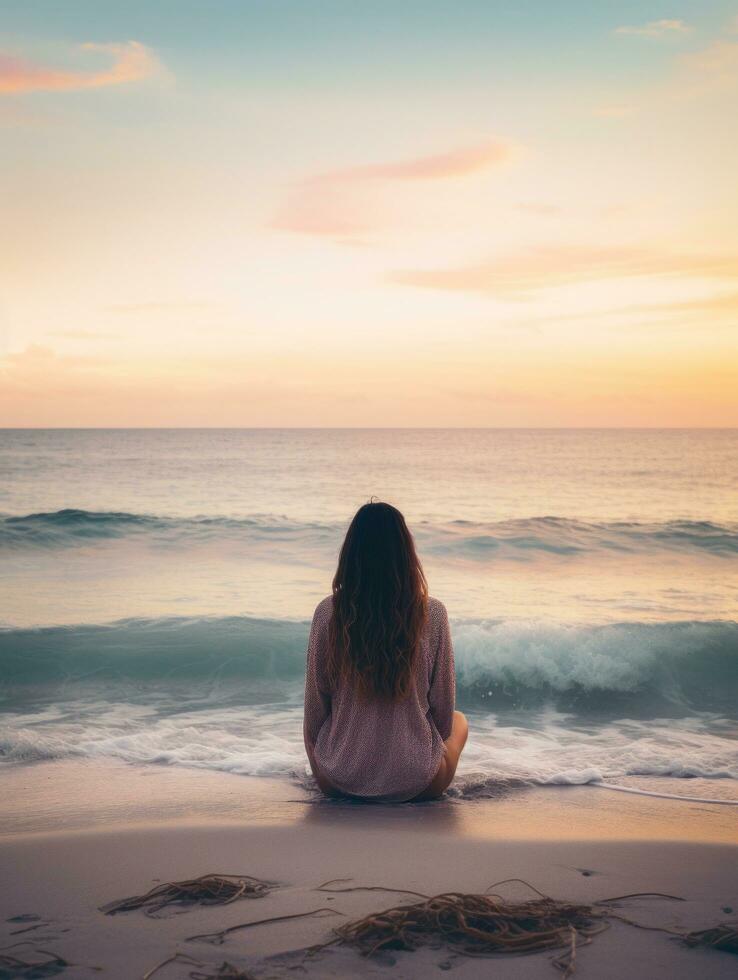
{"x":381,"y":750}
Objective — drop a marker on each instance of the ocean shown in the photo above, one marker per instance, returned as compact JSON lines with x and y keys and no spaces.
{"x":156,"y":589}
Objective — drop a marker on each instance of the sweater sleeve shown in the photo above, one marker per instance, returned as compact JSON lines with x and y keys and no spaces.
{"x":317,"y":694}
{"x":442,"y":694}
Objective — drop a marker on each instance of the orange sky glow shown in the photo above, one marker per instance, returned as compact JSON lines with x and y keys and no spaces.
{"x":322,"y":232}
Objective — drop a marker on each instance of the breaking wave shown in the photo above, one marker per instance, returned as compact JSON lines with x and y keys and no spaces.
{"x":549,"y":704}
{"x":639,"y":669}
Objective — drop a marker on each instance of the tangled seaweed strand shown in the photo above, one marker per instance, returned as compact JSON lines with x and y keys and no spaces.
{"x":485,"y":924}
{"x":476,"y":925}
{"x":175,"y":958}
{"x":209,"y":889}
{"x":218,"y":938}
{"x":12,"y":966}
{"x":226,"y":971}
{"x":325,"y":887}
{"x":723,"y":936}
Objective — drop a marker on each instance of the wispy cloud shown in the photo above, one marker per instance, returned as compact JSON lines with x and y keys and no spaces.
{"x":326,"y":209}
{"x":456,"y":163}
{"x":655,"y":28}
{"x":721,"y":309}
{"x":724,"y":303}
{"x":38,"y":361}
{"x":710,"y":70}
{"x":328,"y":203}
{"x":131,"y":61}
{"x":541,"y":268}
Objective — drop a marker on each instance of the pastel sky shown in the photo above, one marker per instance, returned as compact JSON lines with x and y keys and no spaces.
{"x":390,"y":213}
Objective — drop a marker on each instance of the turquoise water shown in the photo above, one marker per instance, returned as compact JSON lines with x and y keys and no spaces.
{"x":157,"y":586}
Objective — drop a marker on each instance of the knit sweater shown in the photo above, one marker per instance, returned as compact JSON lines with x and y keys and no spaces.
{"x":382,"y":750}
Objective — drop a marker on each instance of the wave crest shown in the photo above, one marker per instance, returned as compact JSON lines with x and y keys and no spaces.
{"x":641,"y":669}
{"x":517,"y":540}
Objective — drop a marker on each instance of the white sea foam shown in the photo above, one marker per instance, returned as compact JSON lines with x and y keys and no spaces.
{"x":266,"y":740}
{"x":621,"y":657}
{"x":550,"y":704}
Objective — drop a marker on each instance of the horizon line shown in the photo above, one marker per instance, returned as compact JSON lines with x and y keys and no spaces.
{"x":370,"y":428}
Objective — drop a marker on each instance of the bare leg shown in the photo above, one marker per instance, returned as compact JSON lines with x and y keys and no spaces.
{"x":453,"y":747}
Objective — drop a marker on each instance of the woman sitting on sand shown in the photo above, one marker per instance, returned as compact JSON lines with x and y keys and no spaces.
{"x":380,"y":722}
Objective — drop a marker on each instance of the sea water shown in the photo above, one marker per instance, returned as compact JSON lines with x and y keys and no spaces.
{"x":156,"y":588}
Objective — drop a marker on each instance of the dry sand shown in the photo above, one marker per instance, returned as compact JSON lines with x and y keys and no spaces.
{"x":77,"y":835}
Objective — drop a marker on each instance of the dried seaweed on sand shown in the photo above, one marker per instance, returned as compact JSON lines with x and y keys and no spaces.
{"x":217,"y":938}
{"x":209,"y":889}
{"x":13,"y":966}
{"x":478,"y":925}
{"x":174,"y":958}
{"x":723,"y":936}
{"x":486,"y":924}
{"x":226,"y":971}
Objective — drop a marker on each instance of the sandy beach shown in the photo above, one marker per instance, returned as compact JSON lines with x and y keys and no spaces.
{"x":86,"y":834}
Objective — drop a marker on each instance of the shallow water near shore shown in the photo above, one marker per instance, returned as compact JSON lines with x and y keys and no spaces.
{"x":157,"y":588}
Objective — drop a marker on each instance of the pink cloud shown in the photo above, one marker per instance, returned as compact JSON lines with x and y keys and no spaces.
{"x":325,"y":208}
{"x":131,"y":61}
{"x":328,"y":203}
{"x":456,"y":163}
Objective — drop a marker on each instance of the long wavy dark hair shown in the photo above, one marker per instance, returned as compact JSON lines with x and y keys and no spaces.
{"x":380,"y":605}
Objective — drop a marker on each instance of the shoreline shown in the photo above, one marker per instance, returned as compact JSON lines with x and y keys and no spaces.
{"x":89,"y":796}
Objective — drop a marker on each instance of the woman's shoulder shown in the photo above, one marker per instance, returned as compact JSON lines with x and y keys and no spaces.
{"x":436,"y":609}
{"x":437,"y":617}
{"x":323,"y":610}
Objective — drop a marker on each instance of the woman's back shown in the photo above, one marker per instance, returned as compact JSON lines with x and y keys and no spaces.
{"x":376,"y":747}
